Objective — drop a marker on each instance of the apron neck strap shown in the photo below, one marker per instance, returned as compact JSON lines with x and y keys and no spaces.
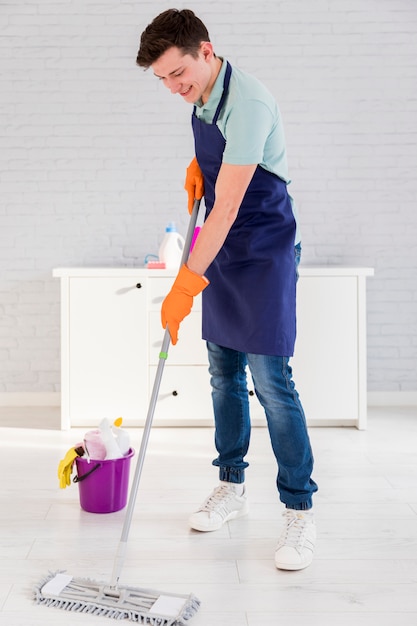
{"x":226,"y":82}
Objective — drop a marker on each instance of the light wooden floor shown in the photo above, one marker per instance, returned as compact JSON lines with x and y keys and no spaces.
{"x":364,"y":572}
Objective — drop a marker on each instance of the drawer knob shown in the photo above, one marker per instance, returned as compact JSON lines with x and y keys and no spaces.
{"x":175,"y":393}
{"x":138,"y":286}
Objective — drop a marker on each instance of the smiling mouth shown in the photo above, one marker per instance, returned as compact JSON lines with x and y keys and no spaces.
{"x":186,"y":92}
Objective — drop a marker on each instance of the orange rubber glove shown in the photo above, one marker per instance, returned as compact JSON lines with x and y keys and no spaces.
{"x":179,"y":301}
{"x":194,"y":184}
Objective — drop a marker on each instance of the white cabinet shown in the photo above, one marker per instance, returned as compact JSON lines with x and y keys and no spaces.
{"x":111,"y":337}
{"x":103,"y":349}
{"x":184,"y":394}
{"x":329,"y":364}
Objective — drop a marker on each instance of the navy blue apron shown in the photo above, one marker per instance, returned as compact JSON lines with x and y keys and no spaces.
{"x":249,"y":305}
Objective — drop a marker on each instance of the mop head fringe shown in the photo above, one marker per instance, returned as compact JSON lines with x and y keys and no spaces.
{"x":143,"y":606}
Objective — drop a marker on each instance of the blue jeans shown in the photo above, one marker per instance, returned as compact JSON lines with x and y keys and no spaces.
{"x":274,"y":387}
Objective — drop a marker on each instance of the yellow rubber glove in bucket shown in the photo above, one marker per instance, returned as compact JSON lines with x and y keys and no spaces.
{"x":65,"y":467}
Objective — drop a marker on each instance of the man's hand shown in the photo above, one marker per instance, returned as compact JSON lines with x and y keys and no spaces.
{"x":194,"y":184}
{"x":179,"y":301}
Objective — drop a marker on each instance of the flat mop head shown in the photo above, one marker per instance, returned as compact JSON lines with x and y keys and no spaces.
{"x":143,"y":606}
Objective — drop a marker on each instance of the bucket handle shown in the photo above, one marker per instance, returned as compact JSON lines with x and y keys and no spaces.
{"x":78,"y":479}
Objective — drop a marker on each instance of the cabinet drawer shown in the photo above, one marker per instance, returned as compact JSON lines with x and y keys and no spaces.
{"x":158,"y":287}
{"x":190,"y":349}
{"x":184,"y":396}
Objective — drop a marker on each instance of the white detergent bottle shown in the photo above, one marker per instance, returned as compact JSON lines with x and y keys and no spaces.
{"x":171,"y":248}
{"x":112,"y":449}
{"x":122,"y":438}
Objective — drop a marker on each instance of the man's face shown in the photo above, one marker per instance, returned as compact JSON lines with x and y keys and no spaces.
{"x":190,"y":77}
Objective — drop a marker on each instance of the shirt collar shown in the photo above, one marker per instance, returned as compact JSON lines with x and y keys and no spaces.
{"x":216,"y":93}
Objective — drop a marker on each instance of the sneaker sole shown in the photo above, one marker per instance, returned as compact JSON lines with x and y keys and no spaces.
{"x":231,"y":516}
{"x":293,"y":567}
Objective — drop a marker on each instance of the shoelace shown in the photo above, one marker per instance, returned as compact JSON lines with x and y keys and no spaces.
{"x":218,"y":499}
{"x":295,"y":529}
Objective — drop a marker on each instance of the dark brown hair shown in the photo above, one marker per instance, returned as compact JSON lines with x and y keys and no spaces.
{"x":182,"y":29}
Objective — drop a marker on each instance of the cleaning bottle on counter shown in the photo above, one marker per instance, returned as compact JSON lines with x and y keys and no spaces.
{"x":171,"y":248}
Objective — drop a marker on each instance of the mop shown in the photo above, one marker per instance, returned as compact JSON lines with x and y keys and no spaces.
{"x":143,"y":606}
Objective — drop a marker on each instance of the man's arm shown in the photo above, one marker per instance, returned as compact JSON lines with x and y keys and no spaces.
{"x":232,"y":183}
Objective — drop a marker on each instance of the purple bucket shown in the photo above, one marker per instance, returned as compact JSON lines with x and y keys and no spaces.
{"x":103,"y":485}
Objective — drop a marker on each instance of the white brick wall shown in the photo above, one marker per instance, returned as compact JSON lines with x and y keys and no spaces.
{"x":93,"y":154}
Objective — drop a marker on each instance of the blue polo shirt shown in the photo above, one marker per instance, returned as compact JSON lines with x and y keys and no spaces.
{"x":251,"y":124}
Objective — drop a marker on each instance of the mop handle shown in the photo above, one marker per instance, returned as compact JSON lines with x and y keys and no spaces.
{"x":120,"y":556}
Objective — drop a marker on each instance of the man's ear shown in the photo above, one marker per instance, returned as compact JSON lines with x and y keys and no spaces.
{"x":207,"y":51}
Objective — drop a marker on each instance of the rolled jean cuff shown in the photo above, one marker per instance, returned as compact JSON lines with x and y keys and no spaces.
{"x":232,"y":475}
{"x":301,"y":506}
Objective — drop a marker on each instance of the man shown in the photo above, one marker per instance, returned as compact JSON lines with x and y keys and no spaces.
{"x":245,"y":263}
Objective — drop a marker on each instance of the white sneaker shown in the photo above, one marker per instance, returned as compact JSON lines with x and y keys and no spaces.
{"x":222,"y":505}
{"x":296,"y":545}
